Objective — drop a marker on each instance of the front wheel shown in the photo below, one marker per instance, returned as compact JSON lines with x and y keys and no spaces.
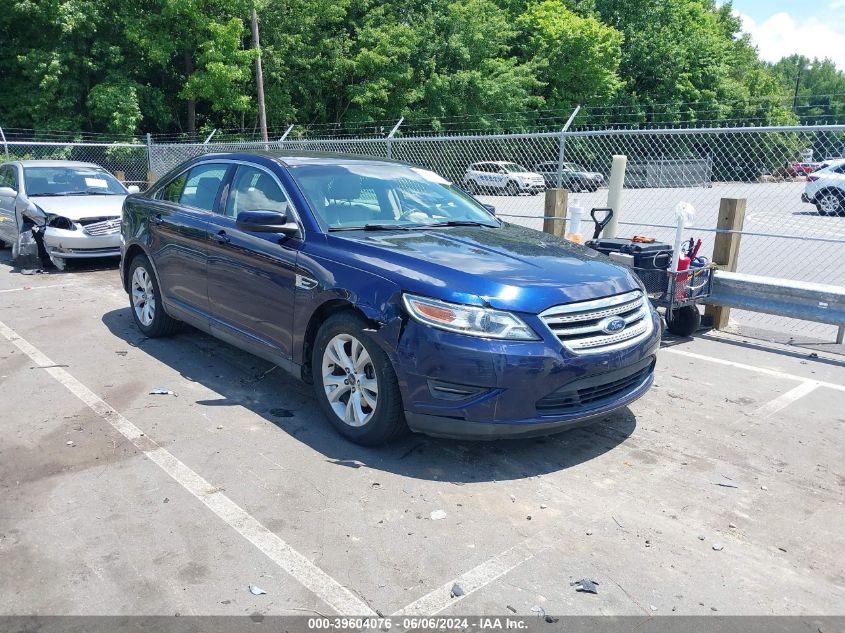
{"x":145,"y":301}
{"x":355,"y":382}
{"x":683,"y":321}
{"x":512,"y":189}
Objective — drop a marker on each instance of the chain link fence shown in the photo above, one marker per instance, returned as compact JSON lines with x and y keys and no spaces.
{"x":782,"y":236}
{"x":130,"y":161}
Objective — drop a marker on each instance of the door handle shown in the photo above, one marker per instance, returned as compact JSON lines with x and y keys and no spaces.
{"x":156,"y":219}
{"x":222,"y":238}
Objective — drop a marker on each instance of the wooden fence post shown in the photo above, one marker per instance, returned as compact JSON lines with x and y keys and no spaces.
{"x":120,"y":175}
{"x":726,"y":250}
{"x":554,"y":220}
{"x":151,"y":178}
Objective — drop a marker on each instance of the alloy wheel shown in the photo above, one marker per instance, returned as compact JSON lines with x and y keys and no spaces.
{"x":143,"y":296}
{"x":349,"y":380}
{"x":830,"y":203}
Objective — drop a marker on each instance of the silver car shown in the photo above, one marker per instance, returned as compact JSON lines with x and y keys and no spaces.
{"x":75,"y":207}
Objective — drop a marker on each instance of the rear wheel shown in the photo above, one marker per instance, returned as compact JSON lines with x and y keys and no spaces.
{"x":355,"y":383}
{"x":831,"y":202}
{"x":145,"y":301}
{"x":512,"y":189}
{"x":683,"y":321}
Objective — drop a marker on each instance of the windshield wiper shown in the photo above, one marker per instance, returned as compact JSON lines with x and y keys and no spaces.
{"x":377,"y":227}
{"x":87,"y":192}
{"x":464,"y":223}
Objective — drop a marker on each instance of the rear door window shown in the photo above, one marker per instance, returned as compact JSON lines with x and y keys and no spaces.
{"x":203,"y":186}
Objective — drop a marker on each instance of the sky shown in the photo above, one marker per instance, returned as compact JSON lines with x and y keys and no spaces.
{"x":814,"y":28}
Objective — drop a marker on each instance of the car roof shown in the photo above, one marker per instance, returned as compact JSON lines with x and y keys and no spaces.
{"x":56,"y":163}
{"x":304,"y":158}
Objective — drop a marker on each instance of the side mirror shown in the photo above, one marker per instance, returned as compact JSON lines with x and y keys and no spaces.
{"x":262,"y":221}
{"x":491,"y":208}
{"x":502,"y":171}
{"x":133,"y":189}
{"x":8,"y":191}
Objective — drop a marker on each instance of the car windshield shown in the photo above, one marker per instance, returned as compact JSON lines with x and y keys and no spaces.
{"x":70,"y":181}
{"x":513,"y":167}
{"x":367,"y":195}
{"x":574,"y":167}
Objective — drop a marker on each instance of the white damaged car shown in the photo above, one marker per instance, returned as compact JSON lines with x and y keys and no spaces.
{"x":71,"y":208}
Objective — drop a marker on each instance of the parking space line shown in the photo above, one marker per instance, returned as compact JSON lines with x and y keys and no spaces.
{"x":35,"y":287}
{"x":335,"y":595}
{"x":759,"y":370}
{"x":478,"y":577}
{"x":786,"y":399}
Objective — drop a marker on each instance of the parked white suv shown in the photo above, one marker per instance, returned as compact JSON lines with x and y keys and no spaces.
{"x":502,"y":177}
{"x":826,"y":189}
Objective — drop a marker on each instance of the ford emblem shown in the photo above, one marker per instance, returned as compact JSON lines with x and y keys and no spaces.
{"x":612,"y":324}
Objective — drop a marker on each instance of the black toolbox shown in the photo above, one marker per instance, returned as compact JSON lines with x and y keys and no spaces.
{"x":650,"y":260}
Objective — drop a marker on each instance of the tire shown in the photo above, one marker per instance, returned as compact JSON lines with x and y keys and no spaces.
{"x":379,"y":415}
{"x":145,"y":301}
{"x":512,"y":189}
{"x":683,"y":321}
{"x":831,"y":202}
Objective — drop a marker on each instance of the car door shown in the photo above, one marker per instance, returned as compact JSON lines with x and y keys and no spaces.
{"x":8,"y":197}
{"x":178,"y":217}
{"x":251,"y":275}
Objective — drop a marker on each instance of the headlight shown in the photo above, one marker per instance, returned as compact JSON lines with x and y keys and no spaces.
{"x":470,"y":320}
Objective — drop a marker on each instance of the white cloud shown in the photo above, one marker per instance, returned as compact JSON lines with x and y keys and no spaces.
{"x":782,"y":35}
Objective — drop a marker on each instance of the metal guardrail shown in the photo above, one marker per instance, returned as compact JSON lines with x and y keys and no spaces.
{"x":821,"y":303}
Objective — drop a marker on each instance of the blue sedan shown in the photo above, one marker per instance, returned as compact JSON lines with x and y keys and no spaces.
{"x":405,"y":302}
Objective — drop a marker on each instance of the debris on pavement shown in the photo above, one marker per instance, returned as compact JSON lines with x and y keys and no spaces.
{"x":732,"y":526}
{"x":70,"y":443}
{"x":256,"y":591}
{"x":121,"y":352}
{"x":540,"y":611}
{"x":726,"y":482}
{"x":615,"y":520}
{"x":701,"y":537}
{"x":457,"y":591}
{"x":436,"y":515}
{"x":281,"y":413}
{"x":161,"y":391}
{"x":513,"y":498}
{"x":543,"y":506}
{"x":510,"y":608}
{"x":585,"y":585}
{"x":718,"y":547}
{"x":550,"y":619}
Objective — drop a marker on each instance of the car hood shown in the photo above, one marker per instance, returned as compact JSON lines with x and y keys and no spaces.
{"x":592,"y":175}
{"x":80,"y":207}
{"x":511,"y":268}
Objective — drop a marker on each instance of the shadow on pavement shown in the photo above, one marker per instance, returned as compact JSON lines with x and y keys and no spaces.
{"x":250,"y":382}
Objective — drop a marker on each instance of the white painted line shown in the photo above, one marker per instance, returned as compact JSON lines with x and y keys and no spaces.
{"x":784,"y":400}
{"x":309,"y":575}
{"x":36,"y":287}
{"x":759,"y":370}
{"x":476,"y":578}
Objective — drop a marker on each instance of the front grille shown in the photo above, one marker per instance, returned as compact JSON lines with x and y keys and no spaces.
{"x":102,"y":227}
{"x":594,"y":391}
{"x":581,"y":327}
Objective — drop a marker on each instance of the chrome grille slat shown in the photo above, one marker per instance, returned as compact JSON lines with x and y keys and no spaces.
{"x":587,"y":329}
{"x":578,"y":326}
{"x":105,"y":227}
{"x":600,"y":314}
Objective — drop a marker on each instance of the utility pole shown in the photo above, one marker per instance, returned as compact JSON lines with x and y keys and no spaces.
{"x":259,"y":77}
{"x":801,"y":68}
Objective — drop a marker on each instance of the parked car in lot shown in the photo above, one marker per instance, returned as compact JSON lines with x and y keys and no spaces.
{"x":795,"y":169}
{"x":502,"y":177}
{"x":74,"y":206}
{"x":402,"y":299}
{"x":826,"y":189}
{"x":572,"y":176}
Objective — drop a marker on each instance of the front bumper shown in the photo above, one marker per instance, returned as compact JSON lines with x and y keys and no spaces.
{"x":508,"y":385}
{"x":533,"y":186}
{"x":77,"y":244}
